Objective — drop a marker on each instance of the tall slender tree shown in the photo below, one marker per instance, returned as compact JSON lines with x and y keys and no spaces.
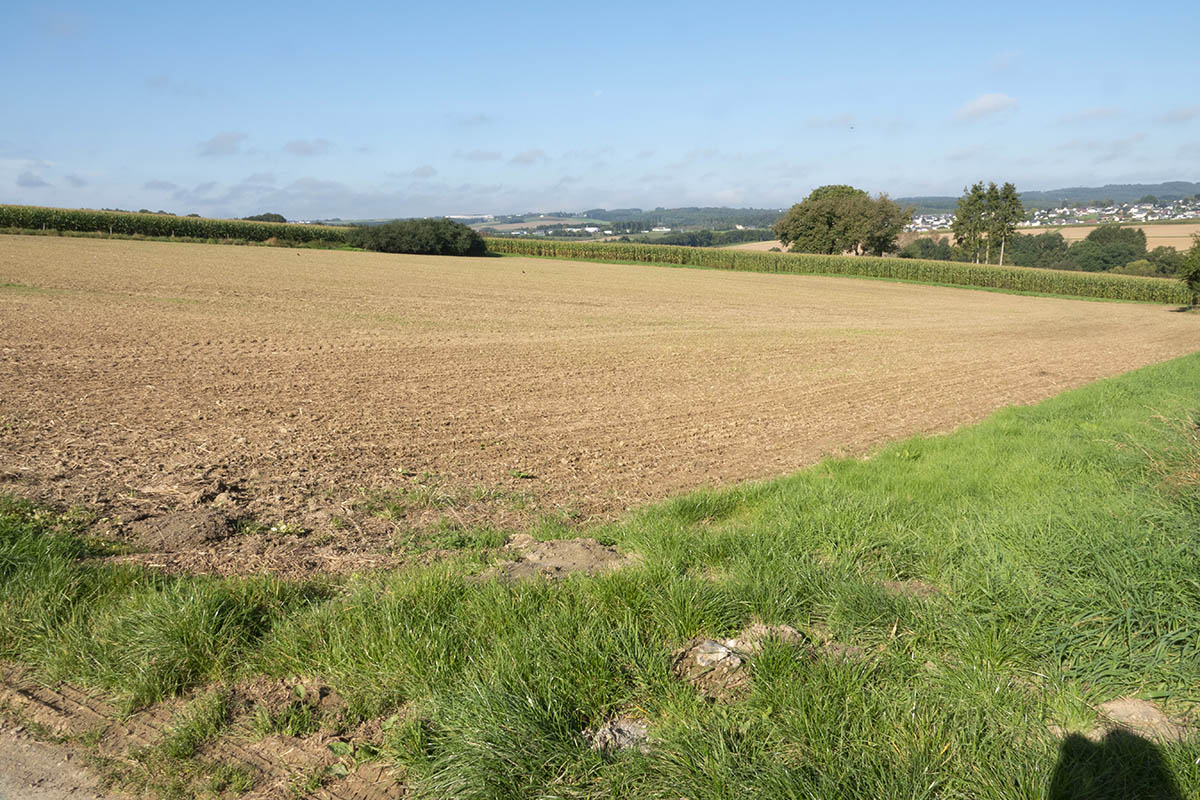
{"x":968,"y":224}
{"x":1008,"y":212}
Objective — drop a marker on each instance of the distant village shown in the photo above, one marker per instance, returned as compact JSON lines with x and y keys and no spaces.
{"x":1144,"y":211}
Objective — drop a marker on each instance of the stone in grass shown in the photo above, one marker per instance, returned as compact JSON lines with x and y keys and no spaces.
{"x":617,"y":735}
{"x":717,"y":669}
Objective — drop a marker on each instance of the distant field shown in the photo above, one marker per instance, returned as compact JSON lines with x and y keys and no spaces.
{"x":759,"y":246}
{"x":539,"y":221}
{"x":1177,"y":235}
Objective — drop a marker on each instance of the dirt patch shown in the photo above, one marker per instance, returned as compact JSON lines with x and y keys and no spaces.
{"x":33,"y":770}
{"x":1143,"y":718}
{"x":183,"y":530}
{"x":1133,"y":715}
{"x":558,"y":558}
{"x":319,"y":762}
{"x":919,"y":590}
{"x":362,"y":396}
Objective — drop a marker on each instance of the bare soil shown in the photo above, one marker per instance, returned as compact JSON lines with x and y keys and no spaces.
{"x":92,"y":731}
{"x":35,"y":770}
{"x":331,"y":403}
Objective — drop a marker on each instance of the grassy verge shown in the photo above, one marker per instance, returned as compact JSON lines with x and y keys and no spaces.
{"x":1062,"y":540}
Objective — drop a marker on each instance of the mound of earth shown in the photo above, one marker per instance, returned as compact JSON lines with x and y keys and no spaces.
{"x":558,"y":558}
{"x":1143,"y":718}
{"x":717,"y":669}
{"x":183,"y":530}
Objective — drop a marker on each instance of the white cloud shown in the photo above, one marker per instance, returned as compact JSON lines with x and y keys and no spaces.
{"x":985,"y":105}
{"x":1179,"y":115}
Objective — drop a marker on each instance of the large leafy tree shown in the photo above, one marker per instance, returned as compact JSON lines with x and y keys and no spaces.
{"x":839,"y":219}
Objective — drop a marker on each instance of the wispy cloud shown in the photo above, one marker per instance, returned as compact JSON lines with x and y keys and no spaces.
{"x":159,"y":186}
{"x":966,"y":153}
{"x":1105,"y":150}
{"x":166,"y":85}
{"x":1006,"y":60}
{"x":64,"y":26}
{"x":77,"y":181}
{"x":226,"y":143}
{"x":308,"y":147}
{"x":843,"y":120}
{"x":423,"y":172}
{"x":470,"y":119}
{"x":477,"y":155}
{"x":1091,"y":115}
{"x":985,"y":105}
{"x":1177,"y":116}
{"x":526,"y":157}
{"x":31,"y":180}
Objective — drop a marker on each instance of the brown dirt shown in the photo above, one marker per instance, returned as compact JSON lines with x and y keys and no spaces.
{"x":348,"y":399}
{"x":558,"y":558}
{"x":277,"y":762}
{"x":35,"y":770}
{"x":916,"y":589}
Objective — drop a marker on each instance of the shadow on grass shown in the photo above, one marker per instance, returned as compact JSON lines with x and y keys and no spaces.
{"x":1123,"y":766}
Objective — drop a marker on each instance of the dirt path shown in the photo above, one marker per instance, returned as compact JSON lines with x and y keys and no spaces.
{"x":344,"y":398}
{"x":32,"y":770}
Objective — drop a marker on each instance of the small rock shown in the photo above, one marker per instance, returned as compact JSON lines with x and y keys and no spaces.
{"x":714,"y":669}
{"x":623,"y":733}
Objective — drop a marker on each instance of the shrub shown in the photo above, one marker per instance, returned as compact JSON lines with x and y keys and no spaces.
{"x":433,"y":236}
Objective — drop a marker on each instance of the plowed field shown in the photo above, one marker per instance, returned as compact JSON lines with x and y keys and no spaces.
{"x":339,"y":392}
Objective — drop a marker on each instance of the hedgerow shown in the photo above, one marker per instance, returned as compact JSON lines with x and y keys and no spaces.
{"x":134,"y":224}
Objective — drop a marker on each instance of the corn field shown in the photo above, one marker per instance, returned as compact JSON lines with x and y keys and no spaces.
{"x":131,"y":224}
{"x":1023,"y":279}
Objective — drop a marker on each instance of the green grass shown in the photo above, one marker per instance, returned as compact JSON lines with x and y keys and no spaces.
{"x":1064,"y":539}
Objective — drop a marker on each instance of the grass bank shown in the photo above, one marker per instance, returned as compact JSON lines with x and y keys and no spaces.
{"x":1061,"y":544}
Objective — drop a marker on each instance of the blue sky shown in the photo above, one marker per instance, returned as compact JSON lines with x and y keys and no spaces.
{"x":398,"y":109}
